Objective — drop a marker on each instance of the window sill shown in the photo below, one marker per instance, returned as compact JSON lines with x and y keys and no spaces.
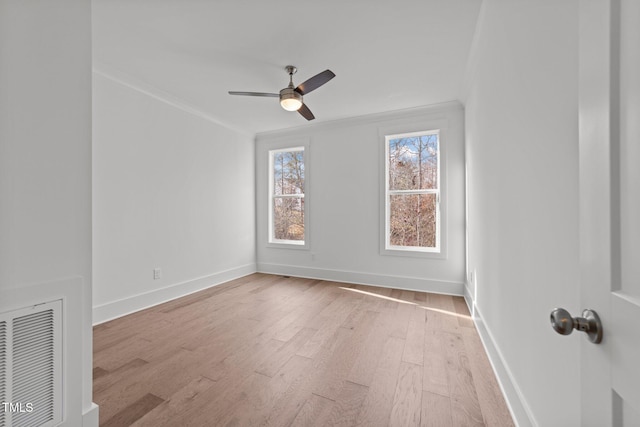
{"x":440,"y":254}
{"x":288,"y":245}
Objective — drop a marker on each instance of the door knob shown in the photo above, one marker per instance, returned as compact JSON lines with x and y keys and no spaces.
{"x":564,"y":324}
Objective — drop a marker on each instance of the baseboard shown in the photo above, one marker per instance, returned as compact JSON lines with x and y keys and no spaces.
{"x":91,"y":417}
{"x":520,"y":411}
{"x":469,"y":300}
{"x":115,"y":309}
{"x":360,"y":278}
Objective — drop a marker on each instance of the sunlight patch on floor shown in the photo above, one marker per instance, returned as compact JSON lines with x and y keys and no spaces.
{"x":436,"y":310}
{"x":450,"y":313}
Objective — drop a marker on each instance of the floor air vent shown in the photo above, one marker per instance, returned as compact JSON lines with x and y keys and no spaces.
{"x":30,"y":366}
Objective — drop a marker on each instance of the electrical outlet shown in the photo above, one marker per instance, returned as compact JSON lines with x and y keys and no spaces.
{"x":157,"y":273}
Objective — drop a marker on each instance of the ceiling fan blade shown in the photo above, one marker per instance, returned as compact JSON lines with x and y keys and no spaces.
{"x":315,"y":82}
{"x":271,"y":95}
{"x":306,"y":113}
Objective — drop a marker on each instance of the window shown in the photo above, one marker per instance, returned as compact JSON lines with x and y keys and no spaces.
{"x":412,"y":194}
{"x":286,"y":201}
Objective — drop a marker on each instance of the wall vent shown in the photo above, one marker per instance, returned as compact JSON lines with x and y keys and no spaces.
{"x":31,"y":366}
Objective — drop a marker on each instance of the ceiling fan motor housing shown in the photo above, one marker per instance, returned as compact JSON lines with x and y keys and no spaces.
{"x":290,"y":99}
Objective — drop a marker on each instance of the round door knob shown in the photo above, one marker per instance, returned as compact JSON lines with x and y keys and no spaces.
{"x":564,"y":324}
{"x":561,"y":321}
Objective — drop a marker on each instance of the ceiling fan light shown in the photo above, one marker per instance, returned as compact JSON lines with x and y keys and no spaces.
{"x":291,"y":104}
{"x":290,"y":100}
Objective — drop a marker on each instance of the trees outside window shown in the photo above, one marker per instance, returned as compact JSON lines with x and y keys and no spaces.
{"x":412,"y":203}
{"x":287,"y":210}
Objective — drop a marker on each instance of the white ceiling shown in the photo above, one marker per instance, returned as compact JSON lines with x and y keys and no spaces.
{"x":387,"y":55}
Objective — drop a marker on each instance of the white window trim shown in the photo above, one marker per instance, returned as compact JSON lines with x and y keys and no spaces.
{"x":391,"y":132}
{"x":271,"y":240}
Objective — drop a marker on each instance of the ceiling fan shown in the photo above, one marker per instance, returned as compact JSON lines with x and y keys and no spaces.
{"x":290,"y":97}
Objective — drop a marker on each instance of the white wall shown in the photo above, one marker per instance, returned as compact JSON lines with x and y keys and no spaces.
{"x":343,"y":179}
{"x":522,"y":162}
{"x":172,"y":190}
{"x":45,"y":175}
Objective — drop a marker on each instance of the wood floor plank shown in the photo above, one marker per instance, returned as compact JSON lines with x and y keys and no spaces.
{"x":396,"y":293}
{"x":444,"y":306}
{"x":408,"y":296}
{"x":162,"y":376}
{"x":436,"y":410}
{"x":117,"y":355}
{"x":189,"y":300}
{"x":110,"y":337}
{"x":165,"y":414}
{"x":270,"y":350}
{"x":392,"y":303}
{"x":173,"y":374}
{"x":297,"y":320}
{"x":465,"y":408}
{"x":436,"y":377}
{"x":358,"y":311}
{"x":134,"y":411}
{"x":260,"y":409}
{"x":240,"y":363}
{"x":492,"y":404}
{"x":129,"y":325}
{"x":420,"y":296}
{"x":242,"y":334}
{"x":234,"y":376}
{"x":237,"y":398}
{"x":284,"y":353}
{"x":414,"y":345}
{"x":231,"y":374}
{"x":344,"y":357}
{"x":315,"y":409}
{"x":99,"y":372}
{"x":211,"y":335}
{"x":376,"y":408}
{"x":327,"y":322}
{"x":364,"y":368}
{"x":407,"y":402}
{"x":287,"y":407}
{"x":401,"y":321}
{"x":347,"y":406}
{"x":339,"y":309}
{"x":104,"y":382}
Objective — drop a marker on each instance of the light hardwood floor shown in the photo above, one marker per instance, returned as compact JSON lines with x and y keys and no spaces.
{"x":270,"y":350}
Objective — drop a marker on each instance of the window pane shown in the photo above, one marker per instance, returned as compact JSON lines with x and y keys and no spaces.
{"x":412,"y":220}
{"x":288,"y":172}
{"x":288,"y":218}
{"x":413,"y":162}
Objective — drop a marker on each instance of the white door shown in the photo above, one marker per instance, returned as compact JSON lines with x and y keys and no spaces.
{"x":609,"y":118}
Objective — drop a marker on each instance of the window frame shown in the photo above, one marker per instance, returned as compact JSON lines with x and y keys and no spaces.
{"x":386,"y":134}
{"x":271,"y":196}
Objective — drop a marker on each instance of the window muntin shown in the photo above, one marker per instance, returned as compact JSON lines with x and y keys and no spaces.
{"x":412,"y":193}
{"x":286,"y":198}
